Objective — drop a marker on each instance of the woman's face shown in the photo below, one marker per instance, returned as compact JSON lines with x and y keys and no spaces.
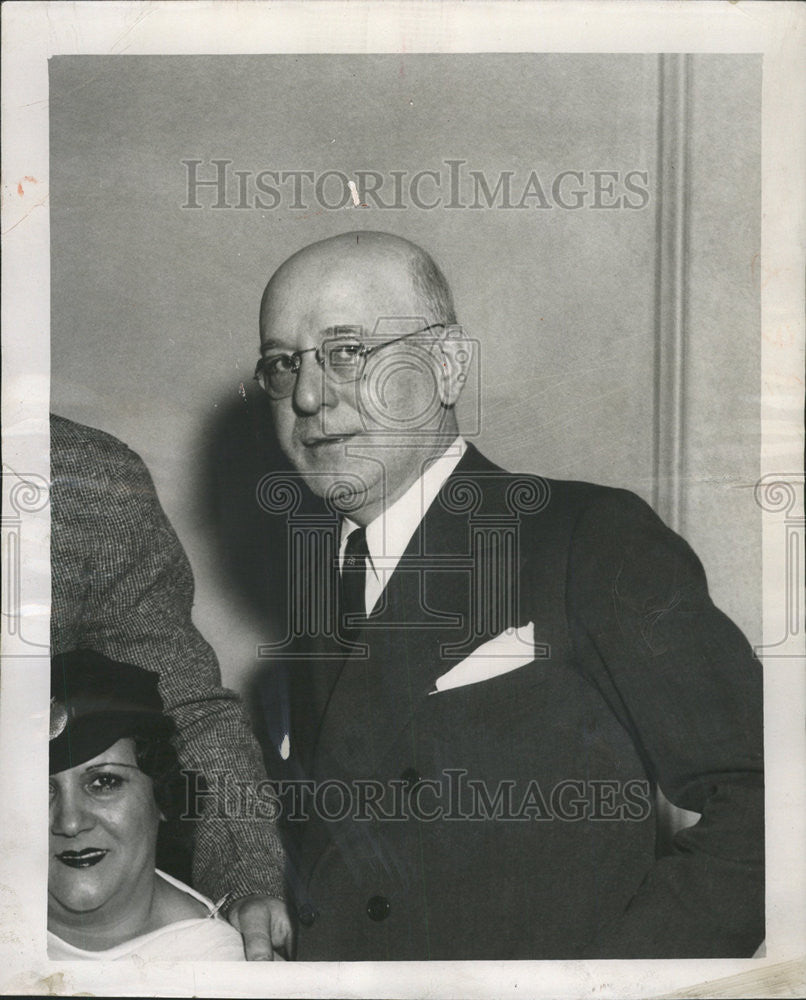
{"x":103,"y":834}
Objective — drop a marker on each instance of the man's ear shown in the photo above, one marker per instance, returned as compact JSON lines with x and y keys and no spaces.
{"x":454,"y":352}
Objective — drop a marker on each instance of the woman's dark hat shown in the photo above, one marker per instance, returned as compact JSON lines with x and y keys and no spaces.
{"x":96,"y":701}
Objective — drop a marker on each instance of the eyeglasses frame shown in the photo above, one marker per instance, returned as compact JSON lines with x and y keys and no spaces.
{"x":364,"y":353}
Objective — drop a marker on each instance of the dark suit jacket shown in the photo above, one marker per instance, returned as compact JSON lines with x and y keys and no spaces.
{"x":122,"y":585}
{"x":639,"y":680}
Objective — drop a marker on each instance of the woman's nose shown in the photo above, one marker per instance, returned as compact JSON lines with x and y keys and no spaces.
{"x":313,"y":389}
{"x":69,"y":815}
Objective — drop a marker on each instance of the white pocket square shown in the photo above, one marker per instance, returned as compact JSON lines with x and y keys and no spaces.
{"x":507,"y":651}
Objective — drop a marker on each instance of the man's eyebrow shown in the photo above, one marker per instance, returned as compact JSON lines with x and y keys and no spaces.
{"x":273,"y":345}
{"x":354,"y":330}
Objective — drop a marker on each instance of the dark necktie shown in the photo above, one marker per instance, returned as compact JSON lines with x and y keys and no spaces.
{"x":353,"y":582}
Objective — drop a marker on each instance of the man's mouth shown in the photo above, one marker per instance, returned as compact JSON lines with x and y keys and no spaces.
{"x":320,"y":442}
{"x":82,"y":859}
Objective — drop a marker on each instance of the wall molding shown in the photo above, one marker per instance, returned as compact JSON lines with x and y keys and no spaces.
{"x":671,"y":319}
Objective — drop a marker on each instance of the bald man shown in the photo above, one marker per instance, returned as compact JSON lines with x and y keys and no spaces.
{"x":513,"y":665}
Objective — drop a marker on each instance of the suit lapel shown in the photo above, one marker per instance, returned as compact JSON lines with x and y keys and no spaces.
{"x":421,"y":627}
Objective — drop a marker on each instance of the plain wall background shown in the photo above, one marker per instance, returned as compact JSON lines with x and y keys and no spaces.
{"x":154,"y":307}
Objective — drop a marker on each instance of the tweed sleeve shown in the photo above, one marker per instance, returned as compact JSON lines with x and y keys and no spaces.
{"x":685,"y":684}
{"x":122,"y":585}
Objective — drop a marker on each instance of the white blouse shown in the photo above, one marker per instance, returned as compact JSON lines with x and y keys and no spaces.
{"x":200,"y":939}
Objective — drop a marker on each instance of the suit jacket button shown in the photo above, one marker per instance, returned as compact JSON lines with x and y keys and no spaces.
{"x":378,"y":908}
{"x":410,"y":778}
{"x":306,"y":914}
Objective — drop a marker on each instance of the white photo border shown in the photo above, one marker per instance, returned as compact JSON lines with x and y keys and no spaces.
{"x":33,"y":32}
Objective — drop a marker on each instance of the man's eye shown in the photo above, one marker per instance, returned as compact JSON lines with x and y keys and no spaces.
{"x":280,"y":364}
{"x":344,"y":353}
{"x":104,"y":783}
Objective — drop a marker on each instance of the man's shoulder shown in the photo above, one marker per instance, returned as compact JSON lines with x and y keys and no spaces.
{"x":96,"y":479}
{"x":529,"y":493}
{"x":69,"y":437}
{"x":87,"y":457}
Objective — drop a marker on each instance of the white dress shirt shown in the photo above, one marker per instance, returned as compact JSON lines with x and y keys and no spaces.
{"x":390,"y":533}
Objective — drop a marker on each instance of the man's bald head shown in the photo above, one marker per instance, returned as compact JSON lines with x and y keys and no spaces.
{"x":384,"y":309}
{"x":369,"y":257}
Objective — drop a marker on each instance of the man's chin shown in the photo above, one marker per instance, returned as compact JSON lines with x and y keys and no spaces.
{"x":342,"y":489}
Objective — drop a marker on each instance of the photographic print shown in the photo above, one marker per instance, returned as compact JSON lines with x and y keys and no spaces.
{"x":406,"y":558}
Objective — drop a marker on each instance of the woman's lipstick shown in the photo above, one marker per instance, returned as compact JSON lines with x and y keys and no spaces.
{"x":82,"y":859}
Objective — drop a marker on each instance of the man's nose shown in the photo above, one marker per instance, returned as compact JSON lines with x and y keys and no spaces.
{"x":69,"y":815}
{"x":313,"y":388}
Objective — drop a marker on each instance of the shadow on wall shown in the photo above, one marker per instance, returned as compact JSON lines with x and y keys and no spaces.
{"x":250,"y":546}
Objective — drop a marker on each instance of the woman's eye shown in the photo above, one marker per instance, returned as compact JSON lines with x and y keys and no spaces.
{"x":105,"y":783}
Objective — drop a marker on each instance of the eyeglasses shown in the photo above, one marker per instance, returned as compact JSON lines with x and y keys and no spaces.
{"x":341,"y":356}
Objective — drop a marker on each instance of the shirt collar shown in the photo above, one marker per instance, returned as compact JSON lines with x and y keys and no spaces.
{"x":391,"y":531}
